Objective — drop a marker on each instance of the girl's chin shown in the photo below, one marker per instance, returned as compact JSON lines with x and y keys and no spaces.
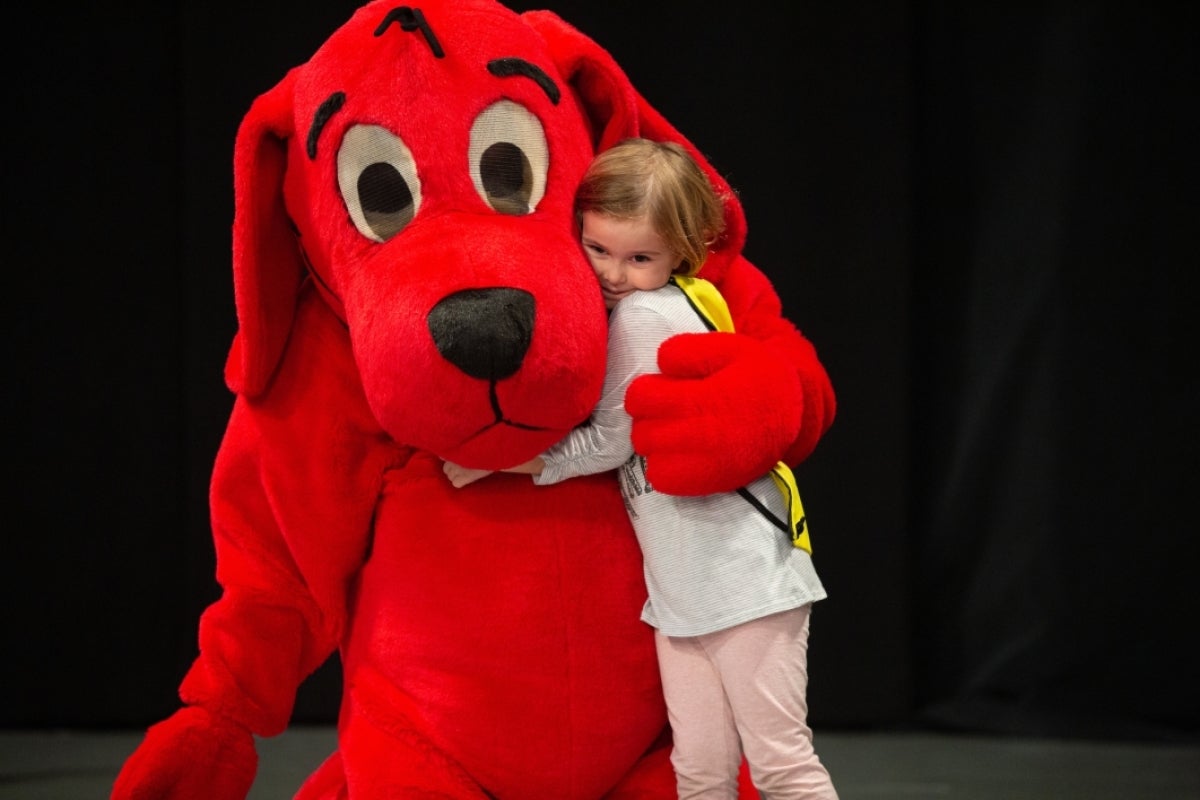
{"x":610,"y":300}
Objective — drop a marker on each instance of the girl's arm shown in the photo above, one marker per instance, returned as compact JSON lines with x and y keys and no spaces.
{"x":460,"y":476}
{"x":603,"y":443}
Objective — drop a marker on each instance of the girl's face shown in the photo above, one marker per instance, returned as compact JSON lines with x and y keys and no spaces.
{"x":627,"y":255}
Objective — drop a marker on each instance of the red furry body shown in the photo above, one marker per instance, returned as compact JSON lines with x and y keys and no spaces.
{"x":410,"y":288}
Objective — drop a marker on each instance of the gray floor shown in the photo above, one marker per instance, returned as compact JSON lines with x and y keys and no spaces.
{"x":866,"y":766}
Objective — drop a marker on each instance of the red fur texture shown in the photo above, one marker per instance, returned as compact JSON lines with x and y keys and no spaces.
{"x":410,"y":288}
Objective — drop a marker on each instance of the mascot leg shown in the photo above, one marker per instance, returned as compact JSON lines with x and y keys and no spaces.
{"x":654,"y":777}
{"x":651,"y":777}
{"x":399,"y":763}
{"x":327,"y":783}
{"x":746,"y":790}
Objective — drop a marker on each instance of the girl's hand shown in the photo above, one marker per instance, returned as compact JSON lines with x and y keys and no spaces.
{"x":460,"y":476}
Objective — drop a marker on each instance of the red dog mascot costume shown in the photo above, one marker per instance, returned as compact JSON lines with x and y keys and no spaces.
{"x":410,"y":287}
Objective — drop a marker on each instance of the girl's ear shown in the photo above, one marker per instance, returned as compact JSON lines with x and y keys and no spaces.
{"x":615,"y":110}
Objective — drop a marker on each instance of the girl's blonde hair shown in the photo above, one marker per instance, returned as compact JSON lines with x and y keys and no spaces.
{"x":660,"y":181}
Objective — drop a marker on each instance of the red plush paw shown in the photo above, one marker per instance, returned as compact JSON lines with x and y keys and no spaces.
{"x":192,"y":755}
{"x":721,"y":413}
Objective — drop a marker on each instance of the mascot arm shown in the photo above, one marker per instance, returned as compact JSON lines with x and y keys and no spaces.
{"x":726,"y":407}
{"x":257,"y":641}
{"x":292,"y":496}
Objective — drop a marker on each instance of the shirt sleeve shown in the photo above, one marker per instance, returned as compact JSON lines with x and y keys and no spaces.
{"x":603,"y":442}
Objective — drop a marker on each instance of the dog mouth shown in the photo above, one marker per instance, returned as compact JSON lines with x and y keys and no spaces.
{"x":502,"y":441}
{"x":499,"y":419}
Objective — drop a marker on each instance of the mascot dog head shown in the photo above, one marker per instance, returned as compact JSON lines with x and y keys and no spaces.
{"x":419,"y":169}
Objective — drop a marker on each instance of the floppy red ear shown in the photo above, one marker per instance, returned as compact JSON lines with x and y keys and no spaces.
{"x":267,"y":265}
{"x":616,"y":110}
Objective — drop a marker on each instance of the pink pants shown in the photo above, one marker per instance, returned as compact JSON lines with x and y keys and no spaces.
{"x":742,"y":691}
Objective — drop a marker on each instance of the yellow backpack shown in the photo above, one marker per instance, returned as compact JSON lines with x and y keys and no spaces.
{"x":708,"y":303}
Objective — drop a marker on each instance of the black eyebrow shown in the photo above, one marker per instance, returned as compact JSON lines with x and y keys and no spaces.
{"x":508,"y":67}
{"x":326,"y":110}
{"x":411,"y":19}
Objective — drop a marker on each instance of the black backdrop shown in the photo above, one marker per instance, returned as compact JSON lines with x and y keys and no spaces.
{"x":984,"y":217}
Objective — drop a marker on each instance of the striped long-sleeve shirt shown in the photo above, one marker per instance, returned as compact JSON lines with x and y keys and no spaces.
{"x":711,"y":562}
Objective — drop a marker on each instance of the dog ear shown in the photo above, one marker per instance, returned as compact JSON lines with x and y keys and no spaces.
{"x":267,"y":264}
{"x":616,"y":110}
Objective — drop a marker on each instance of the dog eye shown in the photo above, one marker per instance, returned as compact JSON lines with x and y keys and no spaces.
{"x":378,"y":181}
{"x":509,"y":158}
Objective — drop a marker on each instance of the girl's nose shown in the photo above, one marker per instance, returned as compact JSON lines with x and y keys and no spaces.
{"x":613,"y":274}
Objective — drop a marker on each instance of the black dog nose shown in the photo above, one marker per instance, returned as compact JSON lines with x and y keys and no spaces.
{"x":484,"y":332}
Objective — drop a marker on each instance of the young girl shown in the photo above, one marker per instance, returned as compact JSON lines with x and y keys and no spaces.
{"x":729,"y":594}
